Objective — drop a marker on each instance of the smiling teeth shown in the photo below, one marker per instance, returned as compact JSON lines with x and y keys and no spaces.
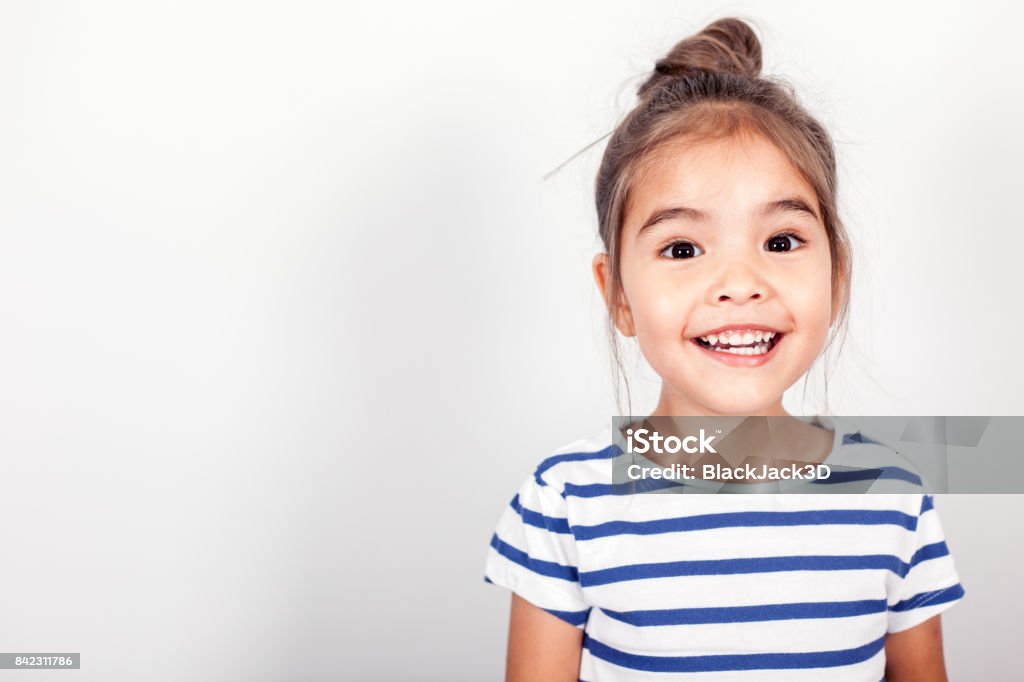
{"x":738,"y":338}
{"x":744,"y":350}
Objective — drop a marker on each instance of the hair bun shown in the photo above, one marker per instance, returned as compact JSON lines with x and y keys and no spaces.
{"x":728,"y":45}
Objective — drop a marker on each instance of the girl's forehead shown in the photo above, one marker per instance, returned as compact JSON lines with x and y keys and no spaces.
{"x":718,"y":171}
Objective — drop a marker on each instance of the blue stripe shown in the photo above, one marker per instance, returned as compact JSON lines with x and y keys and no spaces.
{"x":770,"y":564}
{"x":946,"y":594}
{"x":609,"y":452}
{"x":551,"y":523}
{"x":870,"y":474}
{"x":725,"y":662}
{"x":932,"y":551}
{"x":858,"y":438}
{"x":749,"y":614}
{"x":736,"y":566}
{"x":587,"y":490}
{"x":926,"y":504}
{"x":571,"y":617}
{"x":646,"y":485}
{"x":858,"y":517}
{"x":539,"y":566}
{"x":627,"y":488}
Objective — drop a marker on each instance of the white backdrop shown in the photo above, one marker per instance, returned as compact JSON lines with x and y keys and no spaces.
{"x":288,"y":312}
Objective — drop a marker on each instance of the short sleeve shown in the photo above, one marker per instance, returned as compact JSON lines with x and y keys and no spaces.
{"x":533,"y":553}
{"x":930,"y":583}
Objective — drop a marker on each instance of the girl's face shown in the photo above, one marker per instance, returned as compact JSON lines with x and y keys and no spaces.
{"x":726,"y":273}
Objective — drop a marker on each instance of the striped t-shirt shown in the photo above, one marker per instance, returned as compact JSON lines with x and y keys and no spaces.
{"x":722,"y":587}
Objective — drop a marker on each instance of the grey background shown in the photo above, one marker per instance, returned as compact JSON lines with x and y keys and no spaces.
{"x":243,"y":242}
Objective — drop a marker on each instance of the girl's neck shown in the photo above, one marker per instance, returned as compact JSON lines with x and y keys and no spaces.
{"x":670,"y":405}
{"x":784,"y":438}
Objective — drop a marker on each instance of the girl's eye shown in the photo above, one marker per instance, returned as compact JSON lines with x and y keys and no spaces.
{"x":784,"y":242}
{"x":681,"y":250}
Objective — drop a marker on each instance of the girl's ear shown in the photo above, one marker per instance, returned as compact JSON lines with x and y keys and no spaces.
{"x":619,"y":311}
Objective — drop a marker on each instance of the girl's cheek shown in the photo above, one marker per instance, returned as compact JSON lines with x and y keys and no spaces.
{"x":815,"y":306}
{"x":665,"y":323}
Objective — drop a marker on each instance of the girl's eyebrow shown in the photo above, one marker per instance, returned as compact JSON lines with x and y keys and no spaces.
{"x":793,"y":204}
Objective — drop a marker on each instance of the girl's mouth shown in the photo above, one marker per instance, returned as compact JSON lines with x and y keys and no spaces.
{"x":757,"y":349}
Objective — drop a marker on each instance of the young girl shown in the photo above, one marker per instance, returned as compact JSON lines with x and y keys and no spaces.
{"x":726,"y":259}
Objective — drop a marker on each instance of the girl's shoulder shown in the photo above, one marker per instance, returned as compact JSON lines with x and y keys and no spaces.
{"x":584,"y":461}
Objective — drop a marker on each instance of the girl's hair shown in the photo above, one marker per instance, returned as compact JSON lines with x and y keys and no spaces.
{"x":709,"y":87}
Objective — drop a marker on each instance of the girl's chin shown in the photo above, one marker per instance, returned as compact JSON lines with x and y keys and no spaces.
{"x":735,"y":400}
{"x":745,"y":410}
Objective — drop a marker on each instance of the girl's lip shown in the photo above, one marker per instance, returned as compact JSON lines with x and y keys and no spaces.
{"x":734,"y":360}
{"x":740,"y":326}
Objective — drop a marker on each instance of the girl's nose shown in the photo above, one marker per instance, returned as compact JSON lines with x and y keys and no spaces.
{"x":739,"y":298}
{"x":739,"y":284}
